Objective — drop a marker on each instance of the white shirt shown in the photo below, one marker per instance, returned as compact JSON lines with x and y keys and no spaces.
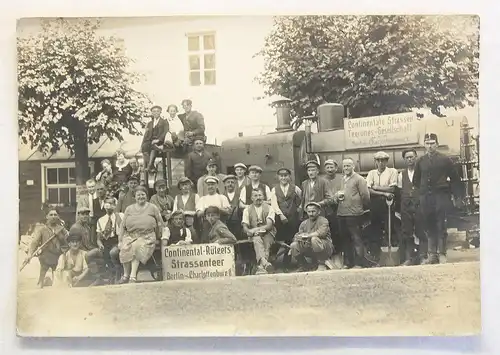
{"x":243,"y":194}
{"x":400,"y":177}
{"x":241,"y":182}
{"x":274,"y":199}
{"x":386,"y":178}
{"x":246,"y":216}
{"x":91,"y":203}
{"x":101,"y":223}
{"x":175,"y":124}
{"x":155,"y":121}
{"x":166,"y":235}
{"x":230,"y":195}
{"x":216,"y":200}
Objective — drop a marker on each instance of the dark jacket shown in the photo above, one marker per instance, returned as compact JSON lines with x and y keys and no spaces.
{"x":319,"y":193}
{"x":193,"y":122}
{"x":157,"y":132}
{"x":195,"y":165}
{"x":431,"y":174}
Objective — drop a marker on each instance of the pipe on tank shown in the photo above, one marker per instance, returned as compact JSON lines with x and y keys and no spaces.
{"x":283,"y":115}
{"x":330,"y":117}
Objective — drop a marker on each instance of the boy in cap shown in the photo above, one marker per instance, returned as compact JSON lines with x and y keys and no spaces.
{"x":195,"y":164}
{"x":162,"y":199}
{"x":285,"y":201}
{"x":176,"y":233}
{"x":72,"y":266}
{"x":254,"y":174}
{"x":313,"y":240}
{"x":186,"y":200}
{"x":240,"y":170}
{"x":128,"y":198}
{"x":258,"y":225}
{"x":315,"y":189}
{"x":431,"y":175}
{"x":233,"y":219}
{"x":219,"y":233}
{"x":382,"y":183}
{"x":153,"y":137}
{"x":211,"y":171}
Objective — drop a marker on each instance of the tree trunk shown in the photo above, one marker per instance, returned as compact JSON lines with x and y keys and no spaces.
{"x":81,"y":159}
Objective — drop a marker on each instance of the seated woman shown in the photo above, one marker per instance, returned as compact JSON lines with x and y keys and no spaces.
{"x":162,"y":200}
{"x":72,"y":266}
{"x":175,"y":133}
{"x":219,"y":233}
{"x":176,"y":233}
{"x":140,"y":227}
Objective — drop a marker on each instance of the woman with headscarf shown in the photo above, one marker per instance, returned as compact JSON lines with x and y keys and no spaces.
{"x":53,"y":233}
{"x":162,"y":200}
{"x":141,"y":225}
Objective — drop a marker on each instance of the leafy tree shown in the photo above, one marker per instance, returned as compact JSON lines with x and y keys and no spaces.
{"x":75,"y":88}
{"x":373,"y":64}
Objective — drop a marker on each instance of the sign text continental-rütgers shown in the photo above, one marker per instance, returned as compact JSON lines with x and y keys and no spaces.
{"x":198,"y":261}
{"x":379,"y":131}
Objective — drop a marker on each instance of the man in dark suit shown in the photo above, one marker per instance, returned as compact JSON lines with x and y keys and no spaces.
{"x":431,"y":175}
{"x":193,"y":121}
{"x":315,"y":189}
{"x":195,"y":164}
{"x":154,"y":137}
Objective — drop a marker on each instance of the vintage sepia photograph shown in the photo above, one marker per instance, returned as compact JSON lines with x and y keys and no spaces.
{"x":249,"y":176}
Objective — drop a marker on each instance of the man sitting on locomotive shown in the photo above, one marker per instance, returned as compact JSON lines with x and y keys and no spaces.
{"x":153,"y":139}
{"x":381,"y":182}
{"x":211,"y":171}
{"x":315,"y":189}
{"x":107,"y":237}
{"x":193,"y":121}
{"x":175,"y":134}
{"x":219,"y":233}
{"x":285,"y":201}
{"x":258,"y":224}
{"x":176,"y":232}
{"x":213,"y":198}
{"x":313,"y":240}
{"x":254,"y":174}
{"x":195,"y":164}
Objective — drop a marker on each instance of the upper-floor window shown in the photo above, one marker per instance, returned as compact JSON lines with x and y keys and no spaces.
{"x":201,"y":48}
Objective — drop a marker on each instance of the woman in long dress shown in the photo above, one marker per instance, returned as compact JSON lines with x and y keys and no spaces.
{"x":141,"y":226}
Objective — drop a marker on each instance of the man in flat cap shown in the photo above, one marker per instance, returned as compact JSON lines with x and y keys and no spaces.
{"x":233,"y":220}
{"x":431,"y":175}
{"x":195,"y":164}
{"x":258,"y":224}
{"x":211,"y":170}
{"x":313,"y":240}
{"x":382,"y":183}
{"x":219,"y":233}
{"x":153,"y":137}
{"x":411,"y":221}
{"x":315,"y":189}
{"x":334,"y":181}
{"x":212,"y":198}
{"x":240,"y":170}
{"x":254,"y":174}
{"x":285,"y":201}
{"x":187,"y":199}
{"x":193,"y":121}
{"x":128,"y":198}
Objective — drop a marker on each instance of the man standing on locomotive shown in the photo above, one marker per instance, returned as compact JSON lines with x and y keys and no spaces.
{"x":430,"y":177}
{"x":258,"y":225}
{"x":411,"y":221}
{"x":254,"y":174}
{"x":285,"y":201}
{"x":313,"y":240}
{"x":381,"y":182}
{"x":315,"y":189}
{"x":195,"y":164}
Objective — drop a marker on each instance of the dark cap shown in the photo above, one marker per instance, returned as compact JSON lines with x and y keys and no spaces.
{"x":160,"y":182}
{"x":212,"y":209}
{"x":211,"y":161}
{"x":431,"y":137}
{"x":133,"y":177}
{"x":312,"y":203}
{"x":184,"y":180}
{"x":227,"y":177}
{"x":284,"y":170}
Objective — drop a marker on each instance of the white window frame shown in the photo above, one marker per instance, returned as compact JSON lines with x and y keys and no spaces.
{"x":65,"y":165}
{"x":201,"y":54}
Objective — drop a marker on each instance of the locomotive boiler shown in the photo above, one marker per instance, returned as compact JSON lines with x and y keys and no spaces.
{"x":339,"y":137}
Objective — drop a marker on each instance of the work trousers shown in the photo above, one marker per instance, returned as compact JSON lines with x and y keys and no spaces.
{"x":354,"y":250}
{"x":334,"y":230}
{"x":434,"y":208}
{"x":285,"y":233}
{"x":411,"y":225}
{"x":318,"y":249}
{"x":262,"y":246}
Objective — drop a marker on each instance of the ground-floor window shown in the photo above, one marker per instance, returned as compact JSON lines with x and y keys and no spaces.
{"x":59,"y":183}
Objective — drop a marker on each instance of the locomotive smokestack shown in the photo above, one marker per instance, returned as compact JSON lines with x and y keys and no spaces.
{"x":283,"y":117}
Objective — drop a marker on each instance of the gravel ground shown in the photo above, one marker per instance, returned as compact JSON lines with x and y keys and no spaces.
{"x":418,"y":300}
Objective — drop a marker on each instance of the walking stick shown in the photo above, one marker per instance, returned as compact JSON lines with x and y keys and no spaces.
{"x":389,"y":201}
{"x":37,"y":252}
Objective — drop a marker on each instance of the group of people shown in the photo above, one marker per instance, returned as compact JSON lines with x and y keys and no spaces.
{"x":317,"y":226}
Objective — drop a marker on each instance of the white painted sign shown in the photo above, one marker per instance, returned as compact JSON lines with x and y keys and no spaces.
{"x":381,"y":131}
{"x":198,"y":261}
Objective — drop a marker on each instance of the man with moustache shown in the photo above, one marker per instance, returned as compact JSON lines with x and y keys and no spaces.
{"x":352,"y":199}
{"x":254,"y":174}
{"x":195,"y":164}
{"x":211,"y":171}
{"x":233,"y":219}
{"x":431,"y":175}
{"x":315,"y":189}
